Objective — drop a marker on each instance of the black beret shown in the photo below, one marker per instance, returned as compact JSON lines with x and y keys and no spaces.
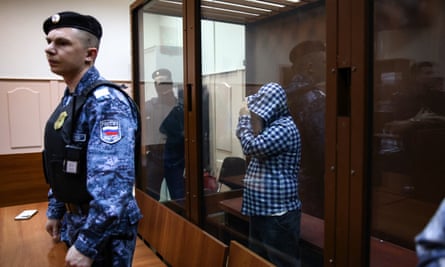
{"x":162,"y":74}
{"x":73,"y":20}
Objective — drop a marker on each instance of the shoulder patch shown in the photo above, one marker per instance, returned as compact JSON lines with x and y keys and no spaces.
{"x":101,"y":92}
{"x":110,"y":131}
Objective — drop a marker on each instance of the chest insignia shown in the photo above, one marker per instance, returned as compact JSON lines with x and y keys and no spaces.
{"x":60,"y":120}
{"x":110,"y":131}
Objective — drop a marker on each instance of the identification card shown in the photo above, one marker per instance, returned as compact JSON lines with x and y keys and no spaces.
{"x":25,"y":215}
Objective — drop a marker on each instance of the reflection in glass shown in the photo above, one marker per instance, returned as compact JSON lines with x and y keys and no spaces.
{"x":162,"y":108}
{"x":409,"y":118}
{"x":174,"y":162}
{"x":307,"y":101}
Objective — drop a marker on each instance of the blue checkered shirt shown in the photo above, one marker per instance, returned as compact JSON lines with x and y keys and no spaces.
{"x":271,"y":180}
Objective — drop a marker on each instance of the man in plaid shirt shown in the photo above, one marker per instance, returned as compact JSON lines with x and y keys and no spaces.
{"x":270,"y":194}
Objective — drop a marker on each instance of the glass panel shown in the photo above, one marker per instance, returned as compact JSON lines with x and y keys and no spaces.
{"x":244,"y":46}
{"x":409,"y":118}
{"x":161,"y":76}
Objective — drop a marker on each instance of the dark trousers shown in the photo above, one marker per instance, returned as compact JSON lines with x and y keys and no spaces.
{"x":155,"y":172}
{"x":174,"y":176}
{"x":276,"y":238}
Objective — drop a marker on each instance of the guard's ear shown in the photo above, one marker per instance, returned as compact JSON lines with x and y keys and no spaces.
{"x":91,"y":55}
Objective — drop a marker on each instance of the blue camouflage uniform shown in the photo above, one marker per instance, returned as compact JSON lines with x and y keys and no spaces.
{"x":430,"y":243}
{"x":107,"y":124}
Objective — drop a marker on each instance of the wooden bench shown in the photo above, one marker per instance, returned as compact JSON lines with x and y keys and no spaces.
{"x":311,"y":227}
{"x":240,"y":255}
{"x":383,"y":254}
{"x":22,"y":179}
{"x":179,"y":242}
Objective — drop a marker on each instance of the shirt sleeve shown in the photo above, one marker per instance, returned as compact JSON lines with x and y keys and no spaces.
{"x":110,"y":170}
{"x":56,"y":209}
{"x":271,"y":141}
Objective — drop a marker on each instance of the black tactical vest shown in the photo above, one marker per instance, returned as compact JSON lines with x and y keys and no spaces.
{"x":65,"y":163}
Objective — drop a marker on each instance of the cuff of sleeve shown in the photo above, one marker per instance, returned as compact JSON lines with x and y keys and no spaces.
{"x":87,"y":246}
{"x":54,"y":212}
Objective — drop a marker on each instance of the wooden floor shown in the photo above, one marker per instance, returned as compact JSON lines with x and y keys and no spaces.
{"x":27,"y":244}
{"x":144,"y":256}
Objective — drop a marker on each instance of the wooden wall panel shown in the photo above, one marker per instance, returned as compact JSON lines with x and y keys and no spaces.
{"x":22,"y":179}
{"x":24,"y":118}
{"x":25,"y":105}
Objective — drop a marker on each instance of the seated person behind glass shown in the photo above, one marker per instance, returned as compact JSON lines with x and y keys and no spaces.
{"x":428,"y":93}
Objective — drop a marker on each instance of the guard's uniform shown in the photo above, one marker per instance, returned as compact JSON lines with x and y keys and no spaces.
{"x":103,"y":228}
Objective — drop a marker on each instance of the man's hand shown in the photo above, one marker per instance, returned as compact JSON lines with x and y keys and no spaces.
{"x":244,"y":110}
{"x":53,"y":229}
{"x":76,"y":259}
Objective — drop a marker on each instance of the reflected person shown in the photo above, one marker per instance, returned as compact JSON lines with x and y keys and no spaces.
{"x":307,"y":98}
{"x":412,"y":136}
{"x":428,"y":88}
{"x":270,"y":194}
{"x":157,"y":109}
{"x":422,"y":95}
{"x":173,"y":128}
{"x":425,"y":98}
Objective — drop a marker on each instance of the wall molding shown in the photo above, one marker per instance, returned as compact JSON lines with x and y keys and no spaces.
{"x":25,"y":105}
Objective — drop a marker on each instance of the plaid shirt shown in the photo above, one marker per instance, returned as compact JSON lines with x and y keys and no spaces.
{"x":430,"y":243}
{"x":271,"y":184}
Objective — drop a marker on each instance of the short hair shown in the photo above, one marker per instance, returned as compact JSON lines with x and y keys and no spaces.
{"x":88,"y":39}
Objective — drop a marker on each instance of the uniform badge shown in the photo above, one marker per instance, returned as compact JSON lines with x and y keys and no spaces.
{"x":79,"y":137}
{"x":60,"y":120}
{"x":110,"y":131}
{"x":55,"y":18}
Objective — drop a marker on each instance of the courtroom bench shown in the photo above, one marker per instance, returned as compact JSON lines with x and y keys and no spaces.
{"x":22,"y":179}
{"x":241,"y":256}
{"x":311,"y":231}
{"x":383,"y":254}
{"x":179,"y":242}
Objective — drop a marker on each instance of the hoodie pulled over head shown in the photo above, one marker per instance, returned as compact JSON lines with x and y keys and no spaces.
{"x":271,"y":180}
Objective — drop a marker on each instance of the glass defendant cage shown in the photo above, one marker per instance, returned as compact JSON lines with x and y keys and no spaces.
{"x":365,"y":87}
